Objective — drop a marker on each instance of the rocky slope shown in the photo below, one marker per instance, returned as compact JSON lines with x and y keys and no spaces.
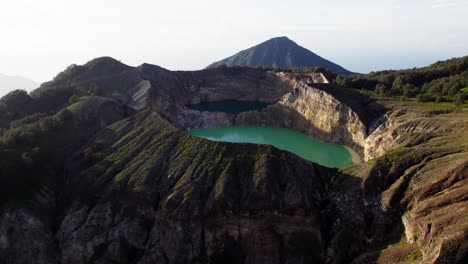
{"x":422,"y":179}
{"x":114,"y":178}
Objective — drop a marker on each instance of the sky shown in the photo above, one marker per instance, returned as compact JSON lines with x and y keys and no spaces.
{"x":41,"y":38}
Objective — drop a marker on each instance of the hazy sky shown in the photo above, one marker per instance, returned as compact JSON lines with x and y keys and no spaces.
{"x":40,"y":38}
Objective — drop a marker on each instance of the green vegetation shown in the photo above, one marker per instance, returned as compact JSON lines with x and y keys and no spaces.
{"x":402,"y":252}
{"x":25,"y":155}
{"x":444,"y":81}
{"x":396,"y":155}
{"x":15,"y":105}
{"x":24,"y":134}
{"x":415,"y":255}
{"x":37,"y":131}
{"x":68,"y":87}
{"x":87,"y":107}
{"x":33,"y":147}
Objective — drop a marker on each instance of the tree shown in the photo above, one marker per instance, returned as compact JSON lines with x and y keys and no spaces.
{"x":14,"y":105}
{"x":73,"y":99}
{"x":342,"y":81}
{"x":423,"y":98}
{"x":64,"y":116}
{"x":381,"y":89}
{"x":460,"y":99}
{"x":398,"y":83}
{"x":408,"y":90}
{"x":48,"y":123}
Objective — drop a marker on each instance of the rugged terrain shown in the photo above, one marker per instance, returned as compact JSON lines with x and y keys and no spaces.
{"x":98,"y":169}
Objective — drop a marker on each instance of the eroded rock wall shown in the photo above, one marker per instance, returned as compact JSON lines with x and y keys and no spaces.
{"x":418,"y":176}
{"x":315,"y":113}
{"x":407,"y":126}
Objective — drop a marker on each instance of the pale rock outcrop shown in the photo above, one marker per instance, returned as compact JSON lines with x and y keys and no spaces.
{"x":335,"y":121}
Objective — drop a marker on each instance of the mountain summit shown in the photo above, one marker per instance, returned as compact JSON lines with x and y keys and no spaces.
{"x":279,"y":52}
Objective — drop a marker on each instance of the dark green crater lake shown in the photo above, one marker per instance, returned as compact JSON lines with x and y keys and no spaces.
{"x":231,"y":106}
{"x":326,"y":154}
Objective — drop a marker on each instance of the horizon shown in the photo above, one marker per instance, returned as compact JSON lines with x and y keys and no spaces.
{"x":42,"y":38}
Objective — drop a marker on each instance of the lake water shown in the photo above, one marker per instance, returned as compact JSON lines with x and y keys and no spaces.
{"x":330,"y":155}
{"x":231,"y":107}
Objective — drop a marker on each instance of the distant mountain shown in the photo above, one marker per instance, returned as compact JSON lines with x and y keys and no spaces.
{"x":10,"y":83}
{"x":279,"y":52}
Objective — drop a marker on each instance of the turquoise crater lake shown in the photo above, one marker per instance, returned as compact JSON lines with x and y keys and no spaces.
{"x":326,"y":154}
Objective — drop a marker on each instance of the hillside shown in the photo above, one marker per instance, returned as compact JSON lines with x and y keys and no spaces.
{"x":98,"y":169}
{"x":443,"y":81}
{"x":279,"y":52}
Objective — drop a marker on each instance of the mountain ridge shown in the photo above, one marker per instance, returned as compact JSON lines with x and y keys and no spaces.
{"x":279,"y":52}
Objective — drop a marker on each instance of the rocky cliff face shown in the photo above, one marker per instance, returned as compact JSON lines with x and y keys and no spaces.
{"x":313,"y":112}
{"x":335,"y":121}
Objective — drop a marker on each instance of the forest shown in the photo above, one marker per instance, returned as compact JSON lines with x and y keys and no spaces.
{"x":443,"y":81}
